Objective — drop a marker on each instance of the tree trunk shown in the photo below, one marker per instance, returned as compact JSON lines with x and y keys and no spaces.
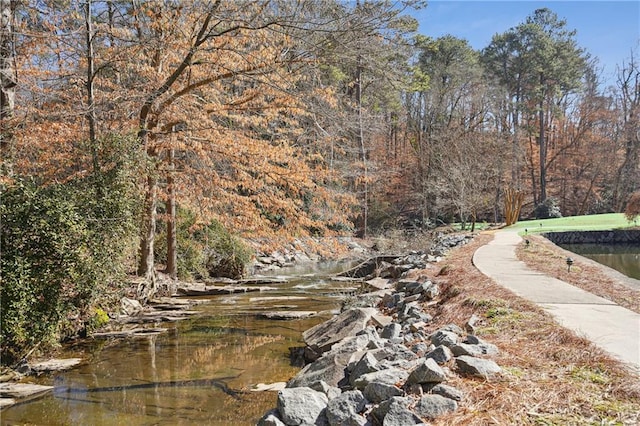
{"x":8,"y":82}
{"x":146,"y":267}
{"x":172,"y":244}
{"x":543,"y":145}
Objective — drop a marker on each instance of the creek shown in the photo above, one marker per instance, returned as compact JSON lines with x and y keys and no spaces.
{"x":624,"y":258}
{"x":199,"y":373}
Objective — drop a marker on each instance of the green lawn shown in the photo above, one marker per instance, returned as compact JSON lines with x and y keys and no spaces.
{"x":575,"y":223}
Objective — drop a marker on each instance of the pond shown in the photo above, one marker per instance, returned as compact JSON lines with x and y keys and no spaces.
{"x":621,"y":257}
{"x":200,"y":373}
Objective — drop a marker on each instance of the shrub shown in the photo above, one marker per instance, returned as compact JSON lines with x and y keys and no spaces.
{"x":548,"y":209}
{"x":204,"y":250}
{"x":63,"y":249}
{"x":632,"y":211}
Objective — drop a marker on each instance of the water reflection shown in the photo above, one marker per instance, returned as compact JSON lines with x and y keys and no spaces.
{"x":621,"y":257}
{"x":200,"y":373}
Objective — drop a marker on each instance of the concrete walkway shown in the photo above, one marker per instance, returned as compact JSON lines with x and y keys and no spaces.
{"x":611,"y":327}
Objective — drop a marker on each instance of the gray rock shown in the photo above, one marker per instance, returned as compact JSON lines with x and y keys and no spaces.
{"x":370,"y":332}
{"x":329,"y":368}
{"x":484,"y":368}
{"x":453,"y":328}
{"x":390,"y":376}
{"x":427,"y":372}
{"x":345,"y":409}
{"x":471,"y":324}
{"x":440,"y":354}
{"x":432,"y":406}
{"x":391,"y":331}
{"x":429,"y":290}
{"x":465,"y":349}
{"x":348,"y":323}
{"x":395,"y":412}
{"x":301,"y":406}
{"x":325,"y":388}
{"x":447,"y":391}
{"x":444,"y":337}
{"x":420,"y":348}
{"x":55,"y":365}
{"x":271,"y":419}
{"x":471,"y":340}
{"x":22,"y":390}
{"x":397,"y":351}
{"x":367,"y":364}
{"x":130,"y":306}
{"x":377,"y":392}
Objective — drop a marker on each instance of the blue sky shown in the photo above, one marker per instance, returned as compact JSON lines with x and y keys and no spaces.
{"x":606,"y":29}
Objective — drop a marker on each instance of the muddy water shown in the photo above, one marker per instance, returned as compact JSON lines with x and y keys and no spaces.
{"x":200,"y":373}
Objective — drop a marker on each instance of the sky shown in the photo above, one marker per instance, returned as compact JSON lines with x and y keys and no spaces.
{"x":606,"y":29}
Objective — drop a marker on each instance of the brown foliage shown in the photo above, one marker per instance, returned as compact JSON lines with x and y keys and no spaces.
{"x":632,"y":211}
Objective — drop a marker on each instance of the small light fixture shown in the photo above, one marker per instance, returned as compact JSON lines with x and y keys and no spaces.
{"x":569,"y":263}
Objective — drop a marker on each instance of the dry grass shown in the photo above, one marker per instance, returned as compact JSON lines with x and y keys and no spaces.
{"x":551,"y":376}
{"x":544,"y":256}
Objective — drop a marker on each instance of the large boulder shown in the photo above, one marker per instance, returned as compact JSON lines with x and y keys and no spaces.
{"x":345,"y":409}
{"x":395,"y":412}
{"x":432,"y":406}
{"x":390,"y":376}
{"x":346,"y":324}
{"x":302,"y":406}
{"x":478,"y":367}
{"x":329,"y":368}
{"x":427,"y":372}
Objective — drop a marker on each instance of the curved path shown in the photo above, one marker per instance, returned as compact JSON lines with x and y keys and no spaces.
{"x":611,"y":327}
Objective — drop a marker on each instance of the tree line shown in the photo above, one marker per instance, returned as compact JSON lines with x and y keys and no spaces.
{"x":171,"y":132}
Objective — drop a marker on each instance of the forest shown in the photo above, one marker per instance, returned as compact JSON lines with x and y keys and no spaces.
{"x":139,"y":136}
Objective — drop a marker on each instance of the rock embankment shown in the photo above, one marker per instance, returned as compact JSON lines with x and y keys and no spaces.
{"x":381,"y":362}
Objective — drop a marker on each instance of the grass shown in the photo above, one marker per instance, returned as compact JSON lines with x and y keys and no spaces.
{"x":551,"y":375}
{"x":596,"y":222}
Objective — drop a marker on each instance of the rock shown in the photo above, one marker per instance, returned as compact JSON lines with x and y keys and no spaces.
{"x":287,"y":315}
{"x":130,"y":306}
{"x":484,"y":368}
{"x":390,"y":376}
{"x":367,"y":364}
{"x":331,"y":391}
{"x":453,"y":328}
{"x":55,"y":365}
{"x":301,"y":406}
{"x":380,"y":320}
{"x":432,"y":406}
{"x":377,"y":392}
{"x":471,"y":325}
{"x":345,"y":409}
{"x":337,"y":328}
{"x":427,"y":372}
{"x":417,"y":326}
{"x":440,"y":354}
{"x":444,"y":337}
{"x":329,"y":368}
{"x":7,"y":402}
{"x":261,"y":387}
{"x":22,"y":390}
{"x":420,"y":348}
{"x":395,"y":412}
{"x":391,"y":331}
{"x":397,"y":351}
{"x":379,"y":283}
{"x":465,"y":349}
{"x":429,"y":290}
{"x":447,"y":391}
{"x":271,"y":419}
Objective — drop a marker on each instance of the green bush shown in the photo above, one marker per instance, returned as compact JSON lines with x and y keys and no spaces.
{"x":204,"y":250}
{"x":63,"y":249}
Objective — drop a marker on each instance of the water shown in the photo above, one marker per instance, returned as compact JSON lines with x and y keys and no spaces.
{"x":621,"y":257}
{"x":200,"y":373}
